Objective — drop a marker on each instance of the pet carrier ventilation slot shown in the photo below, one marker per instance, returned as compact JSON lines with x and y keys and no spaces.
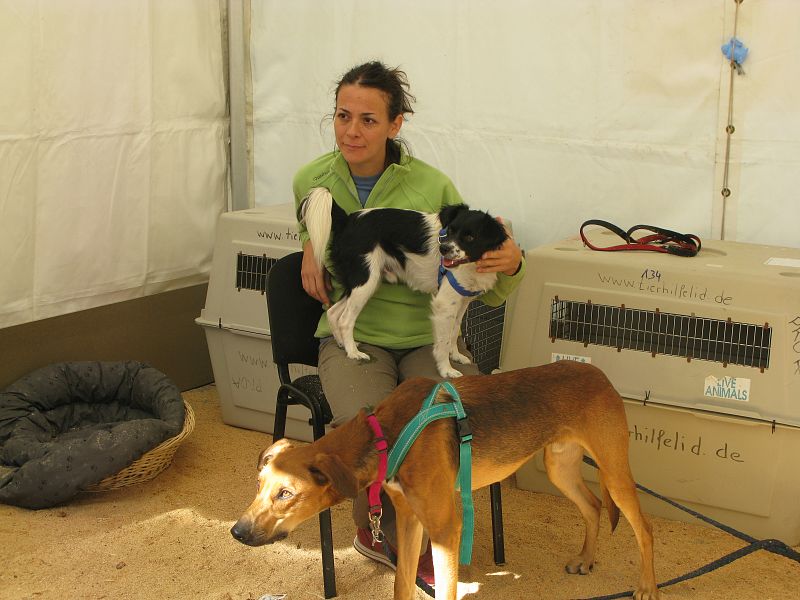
{"x":656,"y":332}
{"x":251,"y":271}
{"x":706,"y":354}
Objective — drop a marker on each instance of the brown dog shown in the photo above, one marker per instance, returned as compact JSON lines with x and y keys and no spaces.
{"x":565,"y":407}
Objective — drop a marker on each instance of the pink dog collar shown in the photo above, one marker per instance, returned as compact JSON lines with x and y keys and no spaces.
{"x":374,"y":489}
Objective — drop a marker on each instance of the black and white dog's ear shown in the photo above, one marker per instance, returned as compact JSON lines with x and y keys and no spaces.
{"x":449,"y":213}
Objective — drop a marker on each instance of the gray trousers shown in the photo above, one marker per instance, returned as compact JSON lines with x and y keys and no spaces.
{"x":352,"y":385}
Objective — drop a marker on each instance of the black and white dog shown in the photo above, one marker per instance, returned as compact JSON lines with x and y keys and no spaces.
{"x":431,"y":253}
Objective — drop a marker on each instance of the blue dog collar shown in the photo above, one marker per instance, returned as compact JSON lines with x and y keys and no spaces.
{"x":445,"y":272}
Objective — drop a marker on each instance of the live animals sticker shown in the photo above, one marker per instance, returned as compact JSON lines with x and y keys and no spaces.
{"x":556,"y":356}
{"x":728,"y":388}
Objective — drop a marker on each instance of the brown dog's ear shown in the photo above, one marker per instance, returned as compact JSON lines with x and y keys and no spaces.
{"x":448,"y":213}
{"x":273,"y":451}
{"x":328,"y":469}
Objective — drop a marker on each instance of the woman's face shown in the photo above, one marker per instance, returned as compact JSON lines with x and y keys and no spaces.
{"x":362,"y":126}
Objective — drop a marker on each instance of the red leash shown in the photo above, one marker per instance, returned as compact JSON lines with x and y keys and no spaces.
{"x":659,"y":240}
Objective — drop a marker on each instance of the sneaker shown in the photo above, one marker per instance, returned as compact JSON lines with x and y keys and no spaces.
{"x":386,"y":554}
{"x":366,"y":546}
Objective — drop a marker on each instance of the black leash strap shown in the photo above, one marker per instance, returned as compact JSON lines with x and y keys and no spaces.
{"x":658,"y":240}
{"x":774,"y":546}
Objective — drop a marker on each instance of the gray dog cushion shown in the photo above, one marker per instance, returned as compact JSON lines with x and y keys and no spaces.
{"x":70,"y":425}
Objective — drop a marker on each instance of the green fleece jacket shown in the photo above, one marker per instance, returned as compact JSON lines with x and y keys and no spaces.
{"x":396,"y":317}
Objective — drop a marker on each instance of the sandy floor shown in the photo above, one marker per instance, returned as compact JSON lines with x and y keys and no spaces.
{"x":168,"y":538}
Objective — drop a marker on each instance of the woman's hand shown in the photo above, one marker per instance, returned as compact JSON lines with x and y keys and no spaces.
{"x":316,"y":282}
{"x":506,"y":259}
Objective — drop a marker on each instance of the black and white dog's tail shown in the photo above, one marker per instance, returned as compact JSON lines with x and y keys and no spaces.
{"x":321,"y":214}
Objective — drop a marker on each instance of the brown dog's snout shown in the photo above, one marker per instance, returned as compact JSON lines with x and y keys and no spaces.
{"x":242,"y":531}
{"x":245,"y":531}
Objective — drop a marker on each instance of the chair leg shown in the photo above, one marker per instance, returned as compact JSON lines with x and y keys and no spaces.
{"x":497,"y":524}
{"x":326,"y":541}
{"x":279,"y":428}
{"x":325,"y":533}
{"x":318,"y":425}
{"x":325,"y":529}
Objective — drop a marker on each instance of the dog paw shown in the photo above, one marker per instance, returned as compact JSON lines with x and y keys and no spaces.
{"x":358,"y":355}
{"x":450,"y":373}
{"x":646,"y":594}
{"x":579,"y":566}
{"x":459,"y":358}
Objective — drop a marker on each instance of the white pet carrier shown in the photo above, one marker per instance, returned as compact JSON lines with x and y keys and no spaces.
{"x":706,"y":353}
{"x":248,"y":242}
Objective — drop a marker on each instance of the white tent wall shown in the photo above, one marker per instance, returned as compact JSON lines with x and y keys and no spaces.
{"x":113,"y":151}
{"x":550,"y":113}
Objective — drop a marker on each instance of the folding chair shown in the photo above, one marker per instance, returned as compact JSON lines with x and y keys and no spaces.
{"x":293,"y":318}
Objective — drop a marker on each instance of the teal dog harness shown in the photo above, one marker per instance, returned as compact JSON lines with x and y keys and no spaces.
{"x":429,"y":412}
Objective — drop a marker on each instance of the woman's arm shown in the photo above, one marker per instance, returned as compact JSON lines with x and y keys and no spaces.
{"x":316,"y":282}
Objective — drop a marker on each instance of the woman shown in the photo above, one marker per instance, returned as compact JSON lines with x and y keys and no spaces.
{"x":371,"y":168}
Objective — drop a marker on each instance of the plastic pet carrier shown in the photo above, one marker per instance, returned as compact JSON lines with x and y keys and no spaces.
{"x":706,"y":354}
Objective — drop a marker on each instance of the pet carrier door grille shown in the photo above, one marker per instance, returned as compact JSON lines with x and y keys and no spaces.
{"x":483,"y":333}
{"x":691,"y":337}
{"x":251,"y":271}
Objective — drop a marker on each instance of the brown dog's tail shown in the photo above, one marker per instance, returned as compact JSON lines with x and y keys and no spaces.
{"x":613,"y":509}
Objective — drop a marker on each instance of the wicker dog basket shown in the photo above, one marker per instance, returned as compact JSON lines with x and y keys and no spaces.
{"x":151,"y":463}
